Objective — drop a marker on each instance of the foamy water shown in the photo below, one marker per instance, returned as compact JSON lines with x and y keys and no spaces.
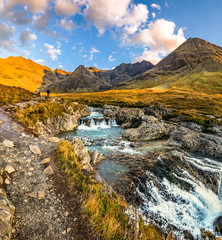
{"x":187,"y":210}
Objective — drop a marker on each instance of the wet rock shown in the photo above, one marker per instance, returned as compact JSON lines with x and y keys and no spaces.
{"x":49,"y":170}
{"x":94,"y":157}
{"x":9,"y":169}
{"x":218,"y":225}
{"x":8,"y":143}
{"x":34,"y":149}
{"x":149,"y":131}
{"x":6,"y":216}
{"x":45,"y":161}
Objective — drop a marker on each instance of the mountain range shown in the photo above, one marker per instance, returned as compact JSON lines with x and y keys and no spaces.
{"x":195,"y":65}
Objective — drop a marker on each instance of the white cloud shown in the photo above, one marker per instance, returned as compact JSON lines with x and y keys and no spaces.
{"x":26,"y":53}
{"x":84,"y":56}
{"x":111,"y":59}
{"x":148,"y":55}
{"x":6,"y":37}
{"x":60,"y":66}
{"x":157,"y":6}
{"x":166,"y":4}
{"x":36,"y":6}
{"x":67,"y":7}
{"x":40,"y":61}
{"x":42,"y":21}
{"x":153,"y":15}
{"x":52,"y":51}
{"x":66,"y":24}
{"x":160,"y":37}
{"x":27,"y":36}
{"x":115,"y":13}
{"x":92,"y":51}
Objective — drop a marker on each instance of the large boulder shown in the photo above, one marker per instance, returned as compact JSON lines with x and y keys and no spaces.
{"x":194,"y":141}
{"x":151,"y":129}
{"x":83,"y":152}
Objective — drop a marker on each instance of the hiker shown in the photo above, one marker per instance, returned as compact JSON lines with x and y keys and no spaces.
{"x":48,"y":92}
{"x":38,"y":92}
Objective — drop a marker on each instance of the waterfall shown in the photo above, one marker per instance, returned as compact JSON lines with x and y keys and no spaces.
{"x":172,"y":203}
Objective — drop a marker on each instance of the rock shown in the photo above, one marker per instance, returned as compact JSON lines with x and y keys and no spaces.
{"x":1,"y":181}
{"x":45,"y":161}
{"x":149,"y":131}
{"x":34,"y":149}
{"x":31,"y":169}
{"x":94,"y":157}
{"x":83,"y":152}
{"x":37,"y":194}
{"x":49,"y":170}
{"x":218,"y":225}
{"x":53,"y":139}
{"x":6,"y":216}
{"x":8,"y":143}
{"x":1,"y":122}
{"x":16,"y":127}
{"x":9,"y":169}
{"x":7,"y":181}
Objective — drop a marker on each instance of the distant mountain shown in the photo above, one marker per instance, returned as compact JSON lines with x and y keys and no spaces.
{"x":92,"y":79}
{"x":191,"y":63}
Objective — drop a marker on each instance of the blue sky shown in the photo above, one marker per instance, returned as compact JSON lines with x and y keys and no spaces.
{"x":103,"y":33}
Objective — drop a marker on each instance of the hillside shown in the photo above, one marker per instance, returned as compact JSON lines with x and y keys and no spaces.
{"x":21,"y":72}
{"x":196,"y":64}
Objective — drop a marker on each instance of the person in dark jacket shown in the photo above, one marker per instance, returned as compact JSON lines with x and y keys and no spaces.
{"x":48,"y":92}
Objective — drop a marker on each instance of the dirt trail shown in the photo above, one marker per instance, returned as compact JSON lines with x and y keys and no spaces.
{"x":44,"y":208}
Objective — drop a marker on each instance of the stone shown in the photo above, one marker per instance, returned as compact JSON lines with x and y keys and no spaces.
{"x":66,"y":214}
{"x":37,"y":194}
{"x":31,"y":169}
{"x":7,"y":181}
{"x":1,"y":122}
{"x":53,"y":139}
{"x":1,"y":181}
{"x":8,"y":143}
{"x":45,"y":161}
{"x":49,"y":170}
{"x":94,"y":156}
{"x":9,"y":169}
{"x":16,"y":127}
{"x":6,"y":216}
{"x":34,"y":149}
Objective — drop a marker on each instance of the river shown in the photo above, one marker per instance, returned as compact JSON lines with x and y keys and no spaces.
{"x":183,"y":193}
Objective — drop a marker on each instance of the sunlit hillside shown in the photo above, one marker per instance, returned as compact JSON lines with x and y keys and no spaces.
{"x":21,"y":72}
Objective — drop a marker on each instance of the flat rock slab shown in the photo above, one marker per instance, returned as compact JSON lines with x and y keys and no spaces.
{"x":9,"y":169}
{"x":53,"y":139}
{"x":34,"y":149}
{"x":49,"y":170}
{"x":45,"y":161}
{"x":37,"y":194}
{"x":8,"y":143}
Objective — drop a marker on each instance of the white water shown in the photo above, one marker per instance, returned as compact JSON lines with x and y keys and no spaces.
{"x":94,"y":126}
{"x":187,"y":210}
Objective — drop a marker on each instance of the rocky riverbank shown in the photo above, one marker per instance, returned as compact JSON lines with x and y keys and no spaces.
{"x":143,"y":125}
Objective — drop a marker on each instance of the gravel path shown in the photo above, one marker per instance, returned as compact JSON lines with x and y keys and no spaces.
{"x":44,"y":207}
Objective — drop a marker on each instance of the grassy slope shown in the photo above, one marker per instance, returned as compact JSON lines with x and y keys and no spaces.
{"x":187,"y":101}
{"x":21,"y":72}
{"x":13,"y":94}
{"x":105,"y":211}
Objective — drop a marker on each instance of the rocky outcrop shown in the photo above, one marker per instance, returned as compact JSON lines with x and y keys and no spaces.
{"x":6,"y":208}
{"x":194,"y":141}
{"x":64,"y":123}
{"x":151,"y":129}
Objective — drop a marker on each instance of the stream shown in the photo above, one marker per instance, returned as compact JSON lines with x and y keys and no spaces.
{"x":180,"y":193}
